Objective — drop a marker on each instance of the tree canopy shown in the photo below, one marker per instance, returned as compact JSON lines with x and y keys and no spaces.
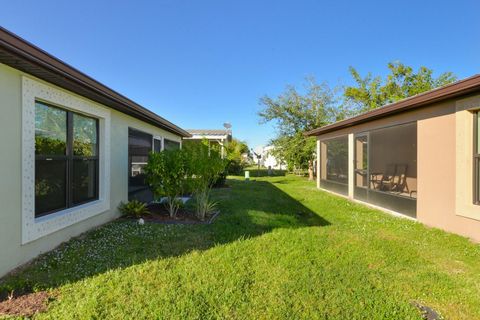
{"x":235,"y":149}
{"x":402,"y":82}
{"x":295,"y":112}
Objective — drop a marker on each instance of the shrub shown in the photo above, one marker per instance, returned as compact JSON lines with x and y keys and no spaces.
{"x":205,"y":167}
{"x":220,"y":180}
{"x":133,"y":208}
{"x":235,"y":167}
{"x":166,"y":174}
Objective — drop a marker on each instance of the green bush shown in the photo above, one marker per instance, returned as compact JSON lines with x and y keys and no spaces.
{"x":133,"y":208}
{"x":205,"y":166}
{"x":196,"y":168}
{"x":167,"y":173}
{"x":220,"y":180}
{"x":235,"y":167}
{"x":235,"y":151}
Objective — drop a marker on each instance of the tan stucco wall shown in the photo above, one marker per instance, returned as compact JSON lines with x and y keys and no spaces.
{"x":12,"y":252}
{"x":442,"y":200}
{"x":440,"y":197}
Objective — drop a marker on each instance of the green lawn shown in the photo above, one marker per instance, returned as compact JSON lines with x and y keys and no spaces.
{"x":280,"y":250}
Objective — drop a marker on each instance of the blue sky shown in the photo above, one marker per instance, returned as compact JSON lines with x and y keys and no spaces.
{"x":201,"y":63}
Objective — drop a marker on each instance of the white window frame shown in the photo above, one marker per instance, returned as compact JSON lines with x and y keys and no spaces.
{"x":35,"y":228}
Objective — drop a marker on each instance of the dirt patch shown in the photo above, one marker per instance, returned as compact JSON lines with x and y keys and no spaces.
{"x":25,"y":305}
{"x":159,"y":214}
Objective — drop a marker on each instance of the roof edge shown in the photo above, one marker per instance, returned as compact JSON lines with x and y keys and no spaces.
{"x":37,"y":57}
{"x":458,"y":88}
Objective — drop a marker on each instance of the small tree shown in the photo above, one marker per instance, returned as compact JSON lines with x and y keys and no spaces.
{"x":205,"y":165}
{"x":235,"y":151}
{"x":295,"y":112}
{"x":166,"y":173}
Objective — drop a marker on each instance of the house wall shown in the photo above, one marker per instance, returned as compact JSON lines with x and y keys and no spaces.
{"x":269,"y":160}
{"x":12,"y":252}
{"x":444,"y":163}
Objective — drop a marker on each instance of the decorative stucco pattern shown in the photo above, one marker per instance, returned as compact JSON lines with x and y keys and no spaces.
{"x":34,"y":228}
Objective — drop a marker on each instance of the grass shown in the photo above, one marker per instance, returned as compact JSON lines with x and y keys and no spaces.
{"x":280,"y":250}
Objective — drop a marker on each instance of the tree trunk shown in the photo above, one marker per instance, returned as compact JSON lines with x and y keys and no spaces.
{"x":310,"y":170}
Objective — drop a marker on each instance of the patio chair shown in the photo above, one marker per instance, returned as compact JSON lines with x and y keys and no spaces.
{"x":401,"y":178}
{"x":385,"y":181}
{"x":396,"y":182}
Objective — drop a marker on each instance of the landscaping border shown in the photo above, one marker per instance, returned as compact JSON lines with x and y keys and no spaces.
{"x":179,"y":222}
{"x":209,"y":221}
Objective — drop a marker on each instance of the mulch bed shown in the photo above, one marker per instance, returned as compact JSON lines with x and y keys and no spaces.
{"x":159,"y":214}
{"x":25,"y":305}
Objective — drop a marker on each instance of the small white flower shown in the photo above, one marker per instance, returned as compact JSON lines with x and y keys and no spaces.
{"x":141,"y":221}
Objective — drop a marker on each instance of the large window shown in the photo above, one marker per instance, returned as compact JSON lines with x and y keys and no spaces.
{"x":140,"y":144}
{"x":334,"y":164}
{"x":171,"y":145}
{"x":157,"y":145}
{"x":66,"y":159}
{"x":386,"y":167}
{"x":139,"y":147}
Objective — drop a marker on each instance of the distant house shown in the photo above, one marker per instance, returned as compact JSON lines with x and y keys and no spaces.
{"x":419,"y":157}
{"x":213,"y":136}
{"x":269,"y":160}
{"x":72,"y":150}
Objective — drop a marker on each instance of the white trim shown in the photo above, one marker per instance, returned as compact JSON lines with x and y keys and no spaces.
{"x":208,"y":137}
{"x":222,"y":144}
{"x":34,"y":228}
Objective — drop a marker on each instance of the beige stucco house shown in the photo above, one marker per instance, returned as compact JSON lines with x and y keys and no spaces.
{"x":72,"y":149}
{"x":418,"y":157}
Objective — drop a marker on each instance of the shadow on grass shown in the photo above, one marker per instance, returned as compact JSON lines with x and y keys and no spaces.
{"x":248,"y":209}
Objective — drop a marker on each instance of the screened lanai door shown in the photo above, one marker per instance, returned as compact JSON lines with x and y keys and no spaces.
{"x":361,"y":175}
{"x":385,"y":168}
